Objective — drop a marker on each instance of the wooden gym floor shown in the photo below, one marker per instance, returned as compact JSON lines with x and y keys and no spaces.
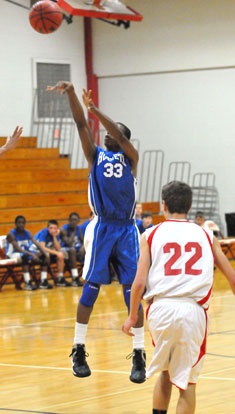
{"x":37,"y":331}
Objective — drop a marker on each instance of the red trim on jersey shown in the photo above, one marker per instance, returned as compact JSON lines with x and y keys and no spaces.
{"x":203,"y":345}
{"x":147,"y":312}
{"x":206,"y":298}
{"x":150,"y":238}
{"x":148,"y":308}
{"x":209,"y":240}
{"x":176,"y":386}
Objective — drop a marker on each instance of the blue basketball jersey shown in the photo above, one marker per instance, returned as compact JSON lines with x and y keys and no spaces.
{"x":77,"y":241}
{"x":44,"y":236}
{"x":112,"y":186}
{"x":23,"y":240}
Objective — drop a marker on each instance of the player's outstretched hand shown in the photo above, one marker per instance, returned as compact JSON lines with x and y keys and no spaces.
{"x":12,"y":141}
{"x":128,"y":324}
{"x":87,"y":99}
{"x":61,"y":87}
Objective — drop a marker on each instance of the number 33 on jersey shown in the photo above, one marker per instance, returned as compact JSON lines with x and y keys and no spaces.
{"x":112,"y":186}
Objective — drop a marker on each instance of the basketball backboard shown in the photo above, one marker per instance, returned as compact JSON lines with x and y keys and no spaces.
{"x":105,"y":9}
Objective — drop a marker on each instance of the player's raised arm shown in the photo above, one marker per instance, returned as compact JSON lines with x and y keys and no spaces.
{"x":88,"y":144}
{"x":11,"y":141}
{"x":223,"y":264}
{"x":113,"y":129}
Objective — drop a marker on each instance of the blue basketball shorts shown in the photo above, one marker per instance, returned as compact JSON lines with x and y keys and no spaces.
{"x":110,"y":241}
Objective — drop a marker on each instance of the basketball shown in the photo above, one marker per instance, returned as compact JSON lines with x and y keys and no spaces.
{"x":45,"y":16}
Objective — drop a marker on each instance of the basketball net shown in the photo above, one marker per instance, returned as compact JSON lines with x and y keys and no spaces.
{"x":98,"y":3}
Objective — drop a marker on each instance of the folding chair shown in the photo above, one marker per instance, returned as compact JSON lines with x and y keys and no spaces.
{"x":227,"y":247}
{"x":9,"y":269}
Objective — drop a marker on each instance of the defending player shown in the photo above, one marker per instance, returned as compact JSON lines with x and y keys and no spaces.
{"x":11,"y":141}
{"x":112,"y":234}
{"x":175,"y":273}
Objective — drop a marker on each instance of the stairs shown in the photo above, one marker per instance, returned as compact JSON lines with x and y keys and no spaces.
{"x":38,"y":184}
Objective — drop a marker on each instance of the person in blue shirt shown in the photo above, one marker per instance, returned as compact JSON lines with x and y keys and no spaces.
{"x":84,"y":225}
{"x":112,"y":235}
{"x":138,"y":218}
{"x":49,"y":239}
{"x":147,"y":220}
{"x":72,"y":240}
{"x":19,"y":243}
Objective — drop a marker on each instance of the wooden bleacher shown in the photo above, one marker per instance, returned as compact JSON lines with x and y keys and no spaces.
{"x":154,"y":208}
{"x":39,"y":184}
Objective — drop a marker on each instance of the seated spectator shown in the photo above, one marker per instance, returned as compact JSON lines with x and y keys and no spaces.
{"x":72,"y":237}
{"x":147,"y":220}
{"x":199,"y":218}
{"x":84,"y":225}
{"x":138,"y":217}
{"x":207,"y":224}
{"x":18,"y":246}
{"x":49,"y":239}
{"x":138,"y":211}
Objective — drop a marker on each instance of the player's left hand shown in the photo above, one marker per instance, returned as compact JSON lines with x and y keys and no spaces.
{"x":61,"y":87}
{"x":12,"y":141}
{"x":128,"y":324}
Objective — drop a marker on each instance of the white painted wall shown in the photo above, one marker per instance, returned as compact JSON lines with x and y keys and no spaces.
{"x":19,"y":45}
{"x":167,"y":99}
{"x":174,"y":34}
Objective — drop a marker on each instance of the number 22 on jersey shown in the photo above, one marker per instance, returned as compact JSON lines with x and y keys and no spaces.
{"x":177,"y":253}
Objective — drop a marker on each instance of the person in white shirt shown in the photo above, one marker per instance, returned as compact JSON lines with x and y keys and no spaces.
{"x":175,"y":275}
{"x":207,"y":224}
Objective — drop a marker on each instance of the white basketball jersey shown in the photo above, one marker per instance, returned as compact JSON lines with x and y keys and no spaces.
{"x":182,"y":261}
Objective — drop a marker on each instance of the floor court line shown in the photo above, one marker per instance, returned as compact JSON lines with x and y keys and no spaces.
{"x":95,"y":398}
{"x":115,"y":393}
{"x":59,"y":320}
{"x":216,"y":371}
{"x":105,"y":371}
{"x":15,"y":410}
{"x":222,"y":296}
{"x":70,"y":319}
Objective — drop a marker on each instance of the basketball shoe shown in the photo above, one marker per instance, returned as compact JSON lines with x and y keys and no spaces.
{"x":79,"y":364}
{"x":29,"y":286}
{"x":77,"y":282}
{"x":45,"y":285}
{"x":61,"y":282}
{"x":138,"y":366}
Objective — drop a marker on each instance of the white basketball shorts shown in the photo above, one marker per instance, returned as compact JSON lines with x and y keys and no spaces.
{"x":178,"y":328}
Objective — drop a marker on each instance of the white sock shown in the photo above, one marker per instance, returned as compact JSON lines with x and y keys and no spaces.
{"x":43,"y":276}
{"x":138,"y":338}
{"x":60,"y":275}
{"x":26,"y":277}
{"x":80,"y":333}
{"x":74,"y":273}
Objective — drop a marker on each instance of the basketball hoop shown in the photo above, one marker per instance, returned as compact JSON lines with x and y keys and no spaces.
{"x":100,"y":9}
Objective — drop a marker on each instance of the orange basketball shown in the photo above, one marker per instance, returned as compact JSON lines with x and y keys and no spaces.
{"x":45,"y":16}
